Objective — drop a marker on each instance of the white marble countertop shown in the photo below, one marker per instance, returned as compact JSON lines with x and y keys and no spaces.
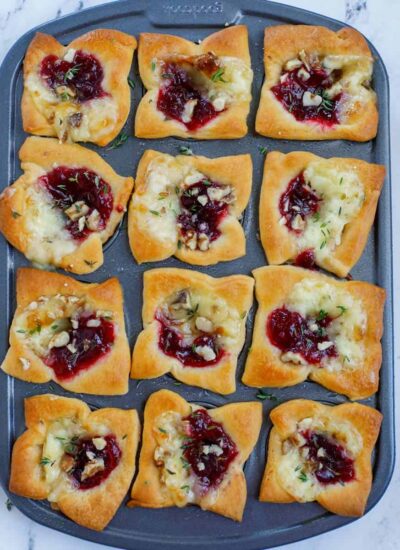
{"x":379,"y":21}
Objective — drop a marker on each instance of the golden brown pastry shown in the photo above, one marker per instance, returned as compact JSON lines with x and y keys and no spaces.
{"x":201,"y":91}
{"x":69,"y":332}
{"x":191,"y":455}
{"x":189,"y":206}
{"x":66,"y":204}
{"x":309,"y":325}
{"x":317,"y":85}
{"x":78,"y":92}
{"x":194,"y":327}
{"x":322,"y":453}
{"x":316,"y":211}
{"x":82,"y":462}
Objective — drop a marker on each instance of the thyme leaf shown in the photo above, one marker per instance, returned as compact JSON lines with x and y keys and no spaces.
{"x":263,"y":396}
{"x":302,"y":476}
{"x":90,"y":263}
{"x":185,"y":150}
{"x":218,"y":75}
{"x":120,"y":140}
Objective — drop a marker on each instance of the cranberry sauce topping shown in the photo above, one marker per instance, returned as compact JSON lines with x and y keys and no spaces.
{"x":208,"y":449}
{"x":297,"y":202}
{"x":176,"y":91}
{"x":80,"y":193}
{"x":79,"y":79}
{"x":329,"y":459}
{"x":89,"y":342}
{"x":203,"y":206}
{"x":91,"y":465}
{"x":306,"y":259}
{"x":291,"y":332}
{"x":302,"y":92}
{"x":202,"y":351}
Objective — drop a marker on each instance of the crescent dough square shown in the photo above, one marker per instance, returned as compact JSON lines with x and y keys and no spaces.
{"x":358,"y":307}
{"x":152,"y":223}
{"x":29,"y":221}
{"x":231,"y":45}
{"x":104,"y":117}
{"x":94,"y":507}
{"x":358,"y":426}
{"x":242,"y":423}
{"x":42,"y":299}
{"x":283,"y":43}
{"x":360,"y":182}
{"x":231,"y":297}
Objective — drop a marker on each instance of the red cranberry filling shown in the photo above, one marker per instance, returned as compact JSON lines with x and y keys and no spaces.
{"x":90,"y":343}
{"x":330,"y":459}
{"x":208,"y":449}
{"x":172,"y":342}
{"x":306,"y":259}
{"x":201,"y":214}
{"x":291,"y":90}
{"x":82,"y":76}
{"x":110,"y":457}
{"x":298,"y":200}
{"x":176,"y":90}
{"x":290,"y":332}
{"x":79,"y":192}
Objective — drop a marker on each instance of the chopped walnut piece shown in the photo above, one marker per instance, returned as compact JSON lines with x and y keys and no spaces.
{"x":77,"y":210}
{"x":99,"y":442}
{"x":59,"y":340}
{"x":75,"y":120}
{"x":66,"y":462}
{"x":93,"y":220}
{"x":92,"y":467}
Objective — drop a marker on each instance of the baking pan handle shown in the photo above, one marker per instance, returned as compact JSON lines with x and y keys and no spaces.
{"x":194,"y":13}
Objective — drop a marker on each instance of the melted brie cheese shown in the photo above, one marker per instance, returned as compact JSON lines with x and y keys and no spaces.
{"x":206,"y":313}
{"x":225,"y":319}
{"x":309,"y":297}
{"x":48,"y":241}
{"x":158,"y":207}
{"x":292,"y":468}
{"x":342,"y":195}
{"x":43,"y":323}
{"x":98,"y":115}
{"x":175,"y":474}
{"x":58,"y":437}
{"x":61,"y":435}
{"x":235,"y":85}
{"x":356,"y":72}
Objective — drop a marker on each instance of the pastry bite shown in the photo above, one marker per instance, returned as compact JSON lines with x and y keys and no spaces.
{"x":191,"y":455}
{"x":321,"y":453}
{"x":200,"y":90}
{"x":64,"y":206}
{"x":309,"y":325}
{"x":70,"y":332}
{"x":316,"y":211}
{"x":189,"y":207}
{"x":82,"y":462}
{"x":78,"y":92}
{"x":194,"y":327}
{"x":317,"y":85}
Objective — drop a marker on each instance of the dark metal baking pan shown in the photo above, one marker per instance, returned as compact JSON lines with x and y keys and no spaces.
{"x":264,"y":525}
